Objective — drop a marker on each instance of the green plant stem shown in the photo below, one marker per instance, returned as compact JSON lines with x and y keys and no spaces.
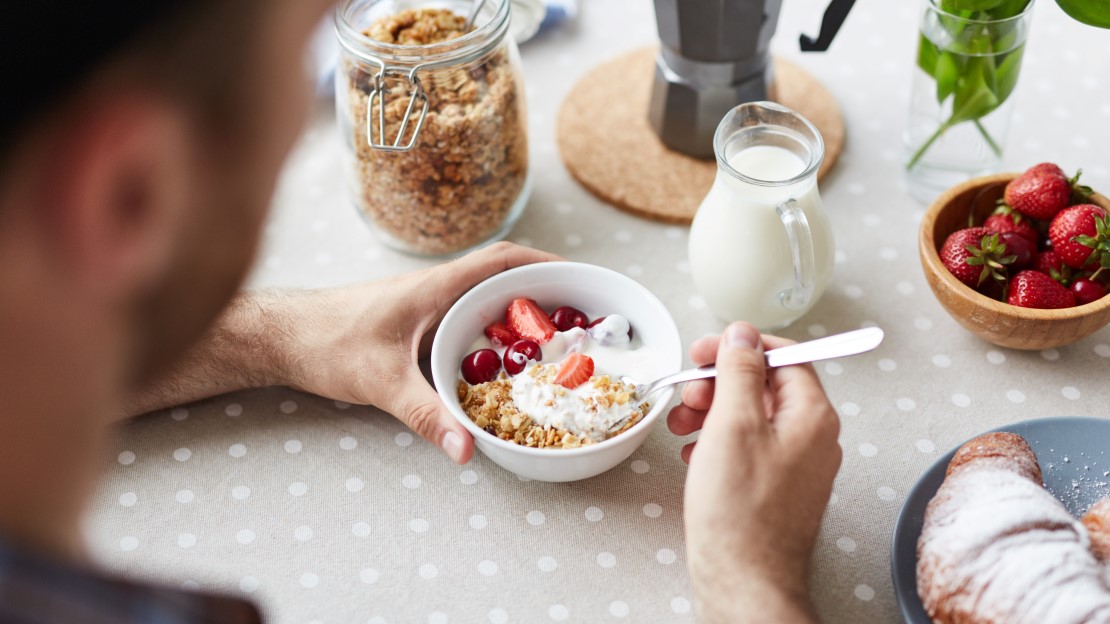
{"x":925,"y":147}
{"x":986,"y":135}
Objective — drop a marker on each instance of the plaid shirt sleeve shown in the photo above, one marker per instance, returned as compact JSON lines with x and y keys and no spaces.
{"x":34,"y":590}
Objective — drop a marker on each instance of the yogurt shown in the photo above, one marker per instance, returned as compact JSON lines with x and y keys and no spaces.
{"x":586,"y":411}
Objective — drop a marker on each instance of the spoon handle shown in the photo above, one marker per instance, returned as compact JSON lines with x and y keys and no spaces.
{"x":839,"y":345}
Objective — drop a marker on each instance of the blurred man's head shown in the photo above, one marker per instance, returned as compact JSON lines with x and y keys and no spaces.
{"x":139,"y":145}
{"x":138,"y":153}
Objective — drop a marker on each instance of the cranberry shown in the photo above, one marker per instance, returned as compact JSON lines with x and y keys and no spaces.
{"x":567,"y":317}
{"x":481,"y":366}
{"x":519,"y":354}
{"x":1087,"y":290}
{"x":1021,"y":247}
{"x":600,"y":319}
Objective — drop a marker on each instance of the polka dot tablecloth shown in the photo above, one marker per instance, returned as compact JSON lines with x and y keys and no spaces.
{"x":325,"y":512}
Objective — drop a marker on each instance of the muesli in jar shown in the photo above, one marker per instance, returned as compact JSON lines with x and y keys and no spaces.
{"x":466,"y":173}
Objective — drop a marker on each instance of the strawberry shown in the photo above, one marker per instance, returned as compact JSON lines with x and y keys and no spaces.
{"x":500,"y":335}
{"x":1005,"y":219}
{"x":1030,"y":289}
{"x":1080,"y":235}
{"x":575,"y":371}
{"x":525,"y":319}
{"x":1087,"y":291}
{"x":975,"y":254}
{"x":1041,"y":192}
{"x":1049,"y":263}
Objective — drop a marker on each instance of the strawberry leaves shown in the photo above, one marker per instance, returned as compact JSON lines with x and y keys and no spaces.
{"x":1099,"y":244}
{"x":991,"y":255}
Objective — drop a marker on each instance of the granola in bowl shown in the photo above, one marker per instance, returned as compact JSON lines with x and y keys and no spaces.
{"x":552,"y":382}
{"x":465,"y":180}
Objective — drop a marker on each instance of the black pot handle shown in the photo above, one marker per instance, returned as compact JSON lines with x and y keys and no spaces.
{"x":830,"y":25}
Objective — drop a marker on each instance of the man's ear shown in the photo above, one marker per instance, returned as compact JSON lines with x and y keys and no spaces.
{"x":117,"y":190}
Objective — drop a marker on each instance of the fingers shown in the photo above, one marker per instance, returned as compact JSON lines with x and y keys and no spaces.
{"x":462,"y":274}
{"x":687,"y":451}
{"x":417,"y":405}
{"x":682,"y":420}
{"x":704,"y":350}
{"x":741,"y":378}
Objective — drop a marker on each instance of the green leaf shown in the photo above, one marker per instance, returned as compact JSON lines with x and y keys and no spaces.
{"x":947,"y":73}
{"x":973,"y":97}
{"x":970,"y":5}
{"x":1090,"y":12}
{"x":1009,"y":8}
{"x":927,"y":55}
{"x":1007,"y":73}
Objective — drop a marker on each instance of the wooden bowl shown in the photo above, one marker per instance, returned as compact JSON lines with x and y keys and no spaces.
{"x":994,"y":321}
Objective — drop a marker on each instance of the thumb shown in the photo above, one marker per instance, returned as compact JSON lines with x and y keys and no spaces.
{"x":417,"y":405}
{"x":741,"y":379}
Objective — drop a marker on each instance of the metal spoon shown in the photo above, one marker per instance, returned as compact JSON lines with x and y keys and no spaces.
{"x":838,"y":345}
{"x":474,"y":11}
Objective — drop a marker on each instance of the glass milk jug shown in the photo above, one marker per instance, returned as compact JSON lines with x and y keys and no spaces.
{"x":761,"y":249}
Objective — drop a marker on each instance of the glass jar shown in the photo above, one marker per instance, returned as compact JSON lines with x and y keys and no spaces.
{"x":967,"y":68}
{"x":434,"y":121}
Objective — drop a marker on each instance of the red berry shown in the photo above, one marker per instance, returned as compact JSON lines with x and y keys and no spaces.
{"x":519,"y":354}
{"x":1006,"y":220}
{"x":575,"y":371}
{"x":974,"y":255}
{"x":525,"y":318}
{"x":500,"y":335}
{"x":1078,"y":234}
{"x":1030,"y":289}
{"x":481,"y":366}
{"x":1040,"y":192}
{"x":1023,"y":250}
{"x":598,"y":321}
{"x":1048,"y":261}
{"x":1087,"y":290}
{"x":567,"y":317}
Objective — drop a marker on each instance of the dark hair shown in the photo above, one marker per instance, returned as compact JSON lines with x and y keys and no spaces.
{"x":51,"y":49}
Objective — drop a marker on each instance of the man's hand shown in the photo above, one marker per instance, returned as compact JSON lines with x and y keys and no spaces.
{"x":760,"y":477}
{"x":360,"y":344}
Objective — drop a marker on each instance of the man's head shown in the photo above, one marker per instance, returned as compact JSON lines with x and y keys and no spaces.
{"x":139,"y":145}
{"x":139,"y":154}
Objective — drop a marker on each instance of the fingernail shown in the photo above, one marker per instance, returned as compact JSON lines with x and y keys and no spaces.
{"x":452,"y":445}
{"x":742,"y":335}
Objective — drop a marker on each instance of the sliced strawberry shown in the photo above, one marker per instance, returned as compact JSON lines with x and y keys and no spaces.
{"x":575,"y":371}
{"x":528,"y":321}
{"x":500,"y":335}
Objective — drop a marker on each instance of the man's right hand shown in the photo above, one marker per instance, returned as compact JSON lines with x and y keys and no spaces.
{"x":760,"y":477}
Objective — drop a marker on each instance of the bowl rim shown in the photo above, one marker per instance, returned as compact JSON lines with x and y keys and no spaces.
{"x":930,"y":257}
{"x":452,"y":403}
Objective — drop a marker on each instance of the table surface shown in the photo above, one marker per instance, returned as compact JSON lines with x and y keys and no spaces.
{"x":325,"y":512}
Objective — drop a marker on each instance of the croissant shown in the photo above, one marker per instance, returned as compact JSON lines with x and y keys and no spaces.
{"x":997,"y":548}
{"x":1097,"y":521}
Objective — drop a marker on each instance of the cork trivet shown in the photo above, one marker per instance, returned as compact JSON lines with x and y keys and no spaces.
{"x":608,"y":146}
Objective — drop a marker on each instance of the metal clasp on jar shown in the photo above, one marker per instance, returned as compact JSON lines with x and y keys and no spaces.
{"x":378,"y":92}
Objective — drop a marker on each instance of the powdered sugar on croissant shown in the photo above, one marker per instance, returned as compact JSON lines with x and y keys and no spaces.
{"x":996,"y":547}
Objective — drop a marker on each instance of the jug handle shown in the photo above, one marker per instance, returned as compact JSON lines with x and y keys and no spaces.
{"x":794,"y":219}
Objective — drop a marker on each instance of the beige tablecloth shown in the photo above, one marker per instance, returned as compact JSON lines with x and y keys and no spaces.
{"x":331,"y":513}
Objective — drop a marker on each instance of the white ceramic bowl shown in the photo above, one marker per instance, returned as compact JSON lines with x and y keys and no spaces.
{"x":552,"y":284}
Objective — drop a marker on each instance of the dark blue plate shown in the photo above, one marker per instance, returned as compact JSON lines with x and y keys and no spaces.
{"x":1074,"y":454}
